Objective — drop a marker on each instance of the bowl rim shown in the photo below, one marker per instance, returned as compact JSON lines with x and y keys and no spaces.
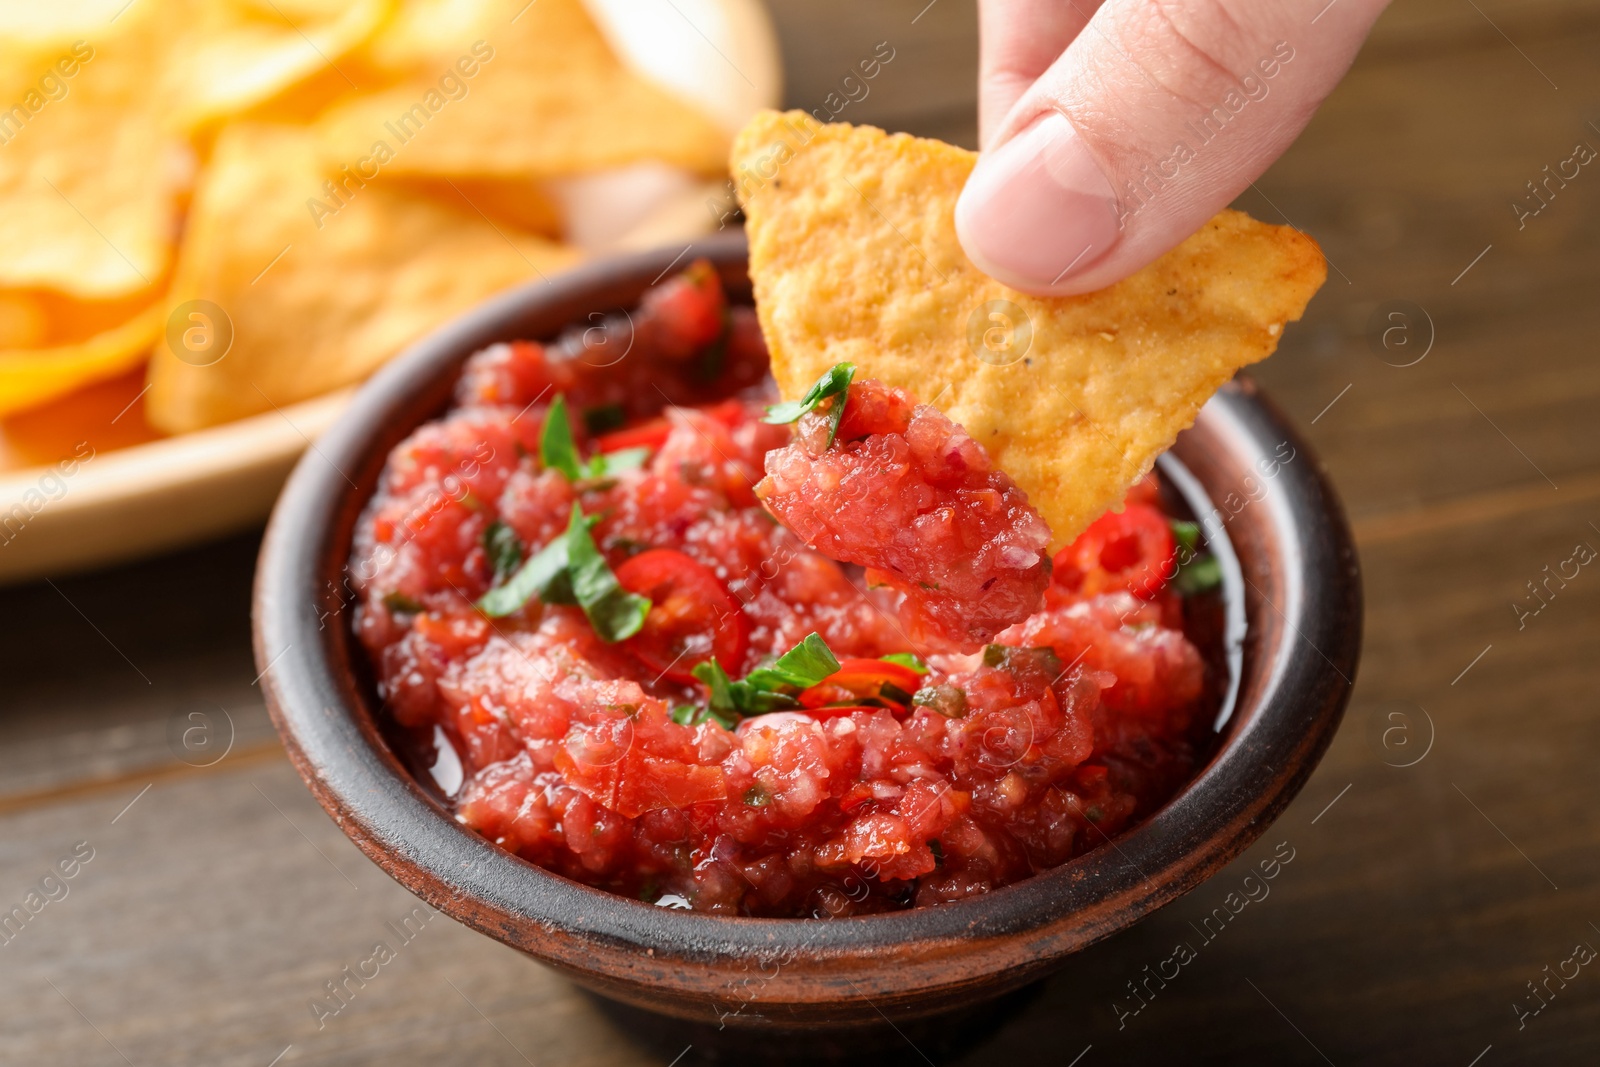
{"x":623,"y":945}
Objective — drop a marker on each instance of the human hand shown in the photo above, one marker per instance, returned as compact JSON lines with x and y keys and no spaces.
{"x":1112,"y":131}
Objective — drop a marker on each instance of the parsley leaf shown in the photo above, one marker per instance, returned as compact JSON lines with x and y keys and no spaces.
{"x":504,"y":548}
{"x":906,"y":659}
{"x":1200,"y":576}
{"x":834,"y":383}
{"x":558,"y":451}
{"x":1187,"y":534}
{"x":1197,"y":573}
{"x":401,"y":604}
{"x":765,"y":688}
{"x":544,"y":575}
{"x":615,"y":613}
{"x":605,"y":418}
{"x":623,"y":459}
{"x":803,"y":666}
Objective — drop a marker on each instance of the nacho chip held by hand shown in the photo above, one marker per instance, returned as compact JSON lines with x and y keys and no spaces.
{"x":854,"y":258}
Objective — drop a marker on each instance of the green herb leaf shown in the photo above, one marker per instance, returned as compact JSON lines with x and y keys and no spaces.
{"x":504,"y":548}
{"x":766,"y":689}
{"x":1042,"y":660}
{"x":615,"y":613}
{"x":401,"y":604}
{"x":606,"y":464}
{"x":834,"y":383}
{"x":802,"y":666}
{"x":1199,"y":576}
{"x":721,"y":686}
{"x":948,"y":700}
{"x":1187,"y":534}
{"x":544,"y":575}
{"x":557,"y":450}
{"x":604,"y":419}
{"x":906,"y":659}
{"x":890,"y":691}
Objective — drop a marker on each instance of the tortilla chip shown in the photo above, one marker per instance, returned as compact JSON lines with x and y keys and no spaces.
{"x":496,"y":93}
{"x":223,"y":56}
{"x":89,"y":175}
{"x":93,"y":157}
{"x":854,"y":256}
{"x":317,"y":300}
{"x":40,"y":371}
{"x":524,"y":204}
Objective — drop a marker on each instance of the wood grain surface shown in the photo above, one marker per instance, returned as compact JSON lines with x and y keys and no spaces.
{"x":1444,"y":854}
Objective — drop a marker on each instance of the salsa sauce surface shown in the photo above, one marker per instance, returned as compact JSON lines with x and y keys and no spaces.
{"x":990,"y":744}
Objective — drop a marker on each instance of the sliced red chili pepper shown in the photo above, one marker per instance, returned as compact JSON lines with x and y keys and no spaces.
{"x":692,"y":615}
{"x":652,"y":433}
{"x":1130,"y":550}
{"x":864,"y":679}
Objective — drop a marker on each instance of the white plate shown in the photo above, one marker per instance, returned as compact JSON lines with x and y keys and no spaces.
{"x":134,"y":501}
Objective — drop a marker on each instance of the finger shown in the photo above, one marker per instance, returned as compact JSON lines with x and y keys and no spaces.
{"x":1155,"y":118}
{"x":1017,"y":42}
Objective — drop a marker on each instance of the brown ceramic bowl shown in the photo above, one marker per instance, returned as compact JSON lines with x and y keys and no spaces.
{"x":1293,"y":587}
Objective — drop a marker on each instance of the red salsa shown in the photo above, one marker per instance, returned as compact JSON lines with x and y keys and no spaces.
{"x":677,"y":641}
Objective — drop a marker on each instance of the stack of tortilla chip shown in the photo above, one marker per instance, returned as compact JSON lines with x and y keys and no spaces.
{"x":266,"y":199}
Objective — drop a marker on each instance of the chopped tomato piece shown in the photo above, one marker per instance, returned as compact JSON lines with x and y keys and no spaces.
{"x":692,"y":615}
{"x":652,"y":433}
{"x":1132,"y":550}
{"x":687,"y":311}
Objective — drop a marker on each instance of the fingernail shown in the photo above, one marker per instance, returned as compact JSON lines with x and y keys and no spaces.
{"x":1037,"y":210}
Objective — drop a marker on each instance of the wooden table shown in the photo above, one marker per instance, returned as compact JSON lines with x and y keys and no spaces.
{"x":1445,"y":853}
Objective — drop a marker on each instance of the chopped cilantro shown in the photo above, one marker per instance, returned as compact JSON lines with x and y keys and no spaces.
{"x":834,"y":383}
{"x":1200,"y":576}
{"x":605,"y":418}
{"x":1197,"y":572}
{"x":545,"y":574}
{"x":890,"y":691}
{"x":1015,"y":660}
{"x":768,"y":688}
{"x":1187,"y":534}
{"x":802,"y":666}
{"x":558,"y":451}
{"x":615,"y":613}
{"x":504,"y":548}
{"x":757,"y":797}
{"x":906,"y":659}
{"x":948,"y":700}
{"x":401,"y":604}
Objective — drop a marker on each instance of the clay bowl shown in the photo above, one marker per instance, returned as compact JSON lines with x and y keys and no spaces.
{"x":1293,"y":587}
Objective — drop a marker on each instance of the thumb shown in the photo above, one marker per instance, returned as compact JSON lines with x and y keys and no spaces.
{"x":1153,"y":120}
